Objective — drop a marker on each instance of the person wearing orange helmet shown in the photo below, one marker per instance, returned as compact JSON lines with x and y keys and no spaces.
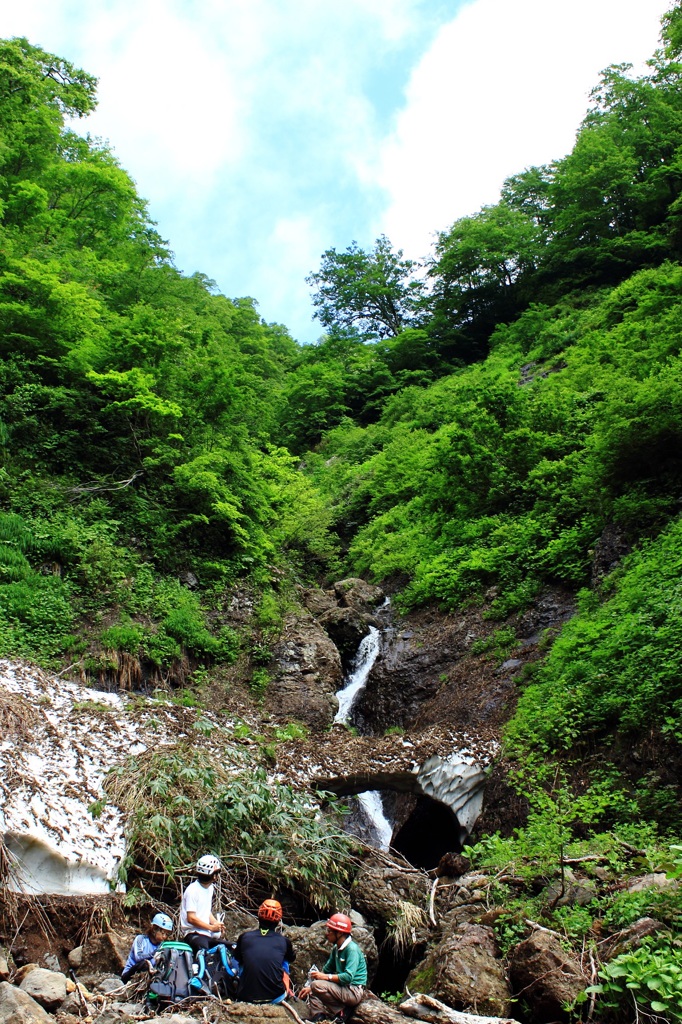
{"x":264,"y":955}
{"x":338,"y":988}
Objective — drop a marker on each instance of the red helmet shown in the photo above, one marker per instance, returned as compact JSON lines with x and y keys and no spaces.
{"x":270,"y":910}
{"x":340,"y":923}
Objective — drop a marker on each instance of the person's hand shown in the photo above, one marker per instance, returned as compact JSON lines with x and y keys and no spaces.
{"x":317,"y":975}
{"x":304,"y":992}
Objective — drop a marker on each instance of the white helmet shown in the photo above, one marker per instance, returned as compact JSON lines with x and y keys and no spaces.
{"x":208,"y":865}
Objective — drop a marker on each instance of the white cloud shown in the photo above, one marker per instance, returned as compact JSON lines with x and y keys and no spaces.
{"x":503,"y":86}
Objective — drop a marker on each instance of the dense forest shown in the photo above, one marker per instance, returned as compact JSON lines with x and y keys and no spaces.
{"x":504,"y":417}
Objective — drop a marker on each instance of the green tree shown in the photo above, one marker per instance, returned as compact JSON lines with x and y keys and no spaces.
{"x":376,"y":291}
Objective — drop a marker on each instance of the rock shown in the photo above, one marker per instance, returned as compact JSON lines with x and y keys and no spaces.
{"x":76,"y":957}
{"x":318,"y":601}
{"x":107,"y":951}
{"x":23,"y":971}
{"x":118,"y":1012}
{"x":464,"y":971}
{"x":312,"y":948}
{"x":109,"y":985}
{"x":52,"y":963}
{"x":47,"y":987}
{"x":657,"y":880}
{"x":346,"y":627}
{"x":379,"y":889}
{"x":548,"y":976}
{"x":356,"y":593}
{"x":4,"y":969}
{"x":628,"y":938}
{"x":73,"y":1003}
{"x":307,"y":674}
{"x":576,"y":894}
{"x":17,"y":1007}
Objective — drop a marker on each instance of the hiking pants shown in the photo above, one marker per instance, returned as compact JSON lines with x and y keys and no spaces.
{"x":328,"y":996}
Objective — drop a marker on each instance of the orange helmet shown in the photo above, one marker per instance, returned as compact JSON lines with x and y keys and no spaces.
{"x":340,"y":923}
{"x":270,"y":910}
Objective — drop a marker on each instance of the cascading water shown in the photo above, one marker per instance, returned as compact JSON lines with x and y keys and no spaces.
{"x":364,"y":659}
{"x":370,"y":802}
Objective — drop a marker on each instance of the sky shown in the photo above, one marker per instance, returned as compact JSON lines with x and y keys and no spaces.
{"x":264,"y":132}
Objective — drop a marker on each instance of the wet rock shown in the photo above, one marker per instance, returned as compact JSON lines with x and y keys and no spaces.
{"x":47,"y":987}
{"x":358,"y":594}
{"x":379,"y":890}
{"x":628,"y":938}
{"x":312,"y":948}
{"x":307,"y":674}
{"x":609,"y":550}
{"x":346,"y":627}
{"x":548,"y":977}
{"x":464,"y":971}
{"x":17,"y":1007}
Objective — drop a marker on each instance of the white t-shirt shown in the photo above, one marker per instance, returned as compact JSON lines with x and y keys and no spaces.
{"x":199,"y":899}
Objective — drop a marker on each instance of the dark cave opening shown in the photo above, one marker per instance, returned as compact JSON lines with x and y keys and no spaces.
{"x":430,"y":831}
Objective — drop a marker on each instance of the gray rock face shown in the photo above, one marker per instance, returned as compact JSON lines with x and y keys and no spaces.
{"x":312,"y":948}
{"x":346,"y":627}
{"x":464,"y":971}
{"x":47,"y":987}
{"x":548,"y":976}
{"x":17,"y":1007}
{"x":307,"y":674}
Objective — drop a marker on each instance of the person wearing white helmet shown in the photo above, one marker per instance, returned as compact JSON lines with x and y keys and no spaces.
{"x":145,"y":946}
{"x":198,"y":925}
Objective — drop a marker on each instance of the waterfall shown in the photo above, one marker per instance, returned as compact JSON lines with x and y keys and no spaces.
{"x":364,"y":659}
{"x":370,"y":801}
{"x":373,"y":810}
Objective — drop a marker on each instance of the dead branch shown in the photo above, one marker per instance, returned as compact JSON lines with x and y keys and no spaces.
{"x":427,"y":1008}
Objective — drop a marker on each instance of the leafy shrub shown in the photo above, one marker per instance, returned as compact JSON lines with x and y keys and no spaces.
{"x":182,"y":801}
{"x":649,"y":979}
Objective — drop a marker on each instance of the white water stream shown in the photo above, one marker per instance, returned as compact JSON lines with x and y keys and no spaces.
{"x":364,"y":659}
{"x":370,"y":801}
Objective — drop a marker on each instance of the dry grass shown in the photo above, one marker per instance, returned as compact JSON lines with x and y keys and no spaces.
{"x":17,"y":716}
{"x":402,"y":932}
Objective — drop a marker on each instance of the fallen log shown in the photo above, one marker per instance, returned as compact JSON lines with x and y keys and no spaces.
{"x":427,"y":1008}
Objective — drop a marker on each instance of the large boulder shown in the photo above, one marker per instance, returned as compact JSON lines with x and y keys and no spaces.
{"x":380,"y":889}
{"x":358,"y":594}
{"x":47,"y":987}
{"x":464,"y":971}
{"x":107,"y":951}
{"x":307,"y":674}
{"x":17,"y":1007}
{"x":548,"y":977}
{"x":312,"y":947}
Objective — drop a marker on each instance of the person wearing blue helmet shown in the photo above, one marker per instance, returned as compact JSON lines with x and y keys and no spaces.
{"x":145,"y":946}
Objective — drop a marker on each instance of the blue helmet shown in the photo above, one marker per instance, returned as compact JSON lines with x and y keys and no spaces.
{"x":162,"y":921}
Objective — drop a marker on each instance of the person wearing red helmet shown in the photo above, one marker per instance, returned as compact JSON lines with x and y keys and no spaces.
{"x":338,"y":988}
{"x":264,"y":955}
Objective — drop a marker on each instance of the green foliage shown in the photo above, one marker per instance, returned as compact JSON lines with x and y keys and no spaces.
{"x":184,"y":800}
{"x":649,"y":977}
{"x":617,"y":664}
{"x":291,"y":731}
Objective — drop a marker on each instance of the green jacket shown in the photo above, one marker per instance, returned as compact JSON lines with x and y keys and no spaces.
{"x":349,"y":963}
